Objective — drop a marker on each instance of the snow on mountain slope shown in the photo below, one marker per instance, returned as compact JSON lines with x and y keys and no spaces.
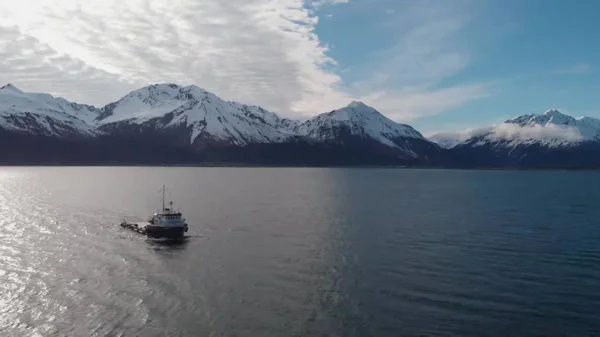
{"x":588,"y":128}
{"x":44,"y":114}
{"x":550,"y":129}
{"x":189,"y":114}
{"x":448,"y":140}
{"x":359,"y":120}
{"x":202,"y":113}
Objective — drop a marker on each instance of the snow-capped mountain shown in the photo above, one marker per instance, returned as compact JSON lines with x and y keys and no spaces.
{"x":168,"y":123}
{"x":205,"y":118}
{"x":448,"y":140}
{"x":197,"y":122}
{"x":551,"y":139}
{"x":585,"y":128}
{"x":200,"y":114}
{"x":44,"y":114}
{"x":550,"y":129}
{"x":359,"y":121}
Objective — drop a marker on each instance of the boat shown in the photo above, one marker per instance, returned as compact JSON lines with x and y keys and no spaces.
{"x":166,"y":223}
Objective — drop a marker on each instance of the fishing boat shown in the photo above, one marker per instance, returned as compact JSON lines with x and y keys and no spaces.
{"x":166,"y":223}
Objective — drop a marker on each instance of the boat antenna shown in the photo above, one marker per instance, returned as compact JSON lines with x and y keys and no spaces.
{"x":163,"y":198}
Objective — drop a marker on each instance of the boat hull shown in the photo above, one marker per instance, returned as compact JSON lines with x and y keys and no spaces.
{"x":158,"y":232}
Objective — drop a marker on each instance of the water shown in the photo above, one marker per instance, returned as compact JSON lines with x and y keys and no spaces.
{"x":301,"y":252}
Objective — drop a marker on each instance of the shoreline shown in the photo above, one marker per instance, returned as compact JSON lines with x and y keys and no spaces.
{"x":233,"y":165}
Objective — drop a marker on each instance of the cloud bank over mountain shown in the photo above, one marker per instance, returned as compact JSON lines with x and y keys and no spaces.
{"x":551,"y":131}
{"x":261,"y":52}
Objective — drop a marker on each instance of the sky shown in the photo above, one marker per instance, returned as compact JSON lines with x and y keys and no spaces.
{"x":438,"y":65}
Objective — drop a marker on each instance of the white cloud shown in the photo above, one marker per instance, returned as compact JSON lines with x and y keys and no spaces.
{"x":253,"y":51}
{"x":406,"y":82}
{"x":319,"y":3}
{"x":580,"y":68}
{"x":35,"y":66}
{"x":450,"y":139}
{"x":546,"y":133}
{"x":513,"y":134}
{"x":420,"y":103}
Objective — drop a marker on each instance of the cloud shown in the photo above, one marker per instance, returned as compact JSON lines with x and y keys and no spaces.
{"x":450,"y":139}
{"x":547,"y":133}
{"x":35,"y":66}
{"x":253,"y":51}
{"x":576,"y":69}
{"x":406,"y":80}
{"x":411,"y":105}
{"x":319,"y":3}
{"x":513,"y":134}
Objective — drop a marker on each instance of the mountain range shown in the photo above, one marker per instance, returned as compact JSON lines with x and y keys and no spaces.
{"x":187,"y":125}
{"x":548,"y":140}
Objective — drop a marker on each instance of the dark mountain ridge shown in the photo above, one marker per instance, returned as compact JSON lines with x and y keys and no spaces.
{"x":167,"y":124}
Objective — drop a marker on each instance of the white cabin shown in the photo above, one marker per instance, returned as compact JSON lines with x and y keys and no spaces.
{"x":167,"y":217}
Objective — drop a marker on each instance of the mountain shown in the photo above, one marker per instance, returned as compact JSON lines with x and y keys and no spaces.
{"x":358,"y":124}
{"x":549,"y":140}
{"x":195,"y":115}
{"x":172,"y":124}
{"x":168,"y":123}
{"x":571,"y":131}
{"x":551,"y":129}
{"x":448,"y":140}
{"x":44,"y":114}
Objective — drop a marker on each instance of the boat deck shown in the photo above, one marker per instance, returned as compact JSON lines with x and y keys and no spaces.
{"x":139,"y":227}
{"x":156,"y":232}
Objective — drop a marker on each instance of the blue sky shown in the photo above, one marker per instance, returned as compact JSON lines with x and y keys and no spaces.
{"x":527,"y":56}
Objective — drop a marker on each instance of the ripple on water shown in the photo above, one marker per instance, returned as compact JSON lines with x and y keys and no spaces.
{"x":318,"y":253}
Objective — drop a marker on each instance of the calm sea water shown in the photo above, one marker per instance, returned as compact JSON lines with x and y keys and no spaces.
{"x":301,"y":252}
